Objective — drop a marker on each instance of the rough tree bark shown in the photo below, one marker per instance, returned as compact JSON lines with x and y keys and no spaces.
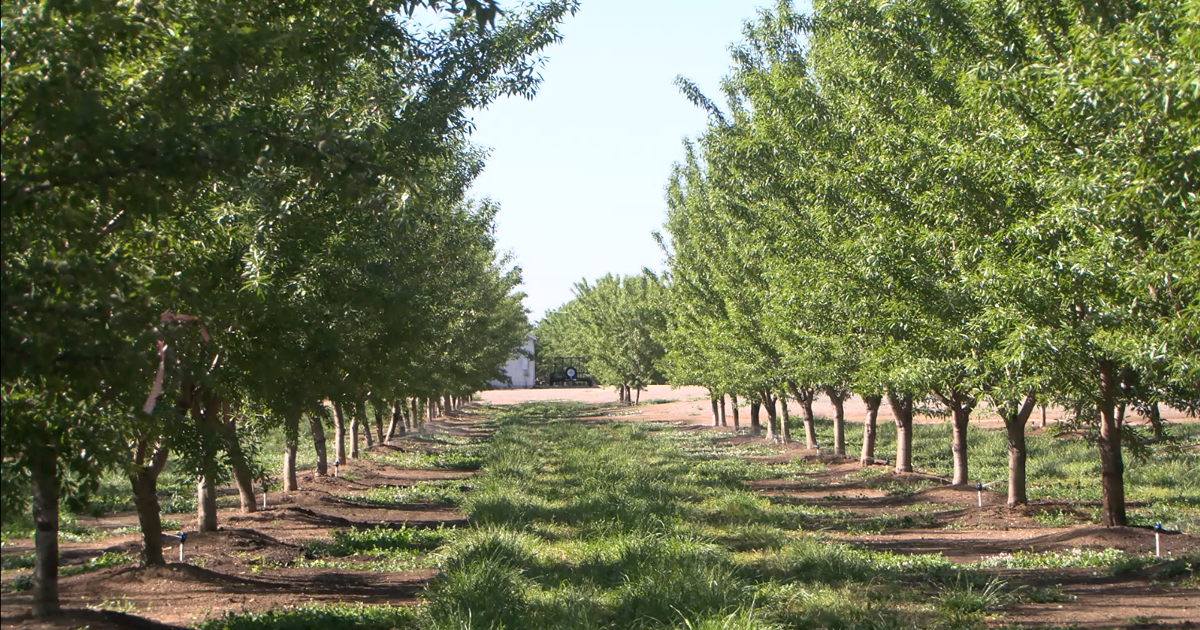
{"x":291,"y":443}
{"x":902,"y":409}
{"x":755,"y":425}
{"x":1016,"y":416}
{"x":379,"y":421}
{"x":724,"y":421}
{"x":1112,"y":467}
{"x":339,"y":435}
{"x":960,"y":408}
{"x":769,"y":405}
{"x":446,"y":404}
{"x":397,"y":420}
{"x":873,"y":401}
{"x":206,"y":504}
{"x":243,"y":479}
{"x":44,"y":481}
{"x":716,"y":413}
{"x":804,"y":396}
{"x":837,"y":398}
{"x":318,"y":434}
{"x":785,"y":420}
{"x":733,"y":407}
{"x":204,"y":414}
{"x":144,"y":482}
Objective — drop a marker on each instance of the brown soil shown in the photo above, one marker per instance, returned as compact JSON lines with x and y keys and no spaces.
{"x":248,"y":564}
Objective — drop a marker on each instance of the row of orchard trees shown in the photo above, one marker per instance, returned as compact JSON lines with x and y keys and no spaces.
{"x":618,"y":324}
{"x":218,"y":212}
{"x":956,"y":200}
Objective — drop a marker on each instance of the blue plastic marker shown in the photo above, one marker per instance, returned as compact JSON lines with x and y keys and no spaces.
{"x":182,"y":539}
{"x":979,"y":490}
{"x":1157,"y":539}
{"x":336,"y":463}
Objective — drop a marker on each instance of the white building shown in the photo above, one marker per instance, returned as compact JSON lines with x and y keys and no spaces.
{"x":520,"y":368}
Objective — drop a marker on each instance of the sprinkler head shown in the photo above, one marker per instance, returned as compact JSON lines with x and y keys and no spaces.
{"x":1158,"y":526}
{"x":979,"y":486}
{"x":182,"y":536}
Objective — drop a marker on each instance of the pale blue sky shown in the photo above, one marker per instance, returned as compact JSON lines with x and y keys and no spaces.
{"x":580,"y":171}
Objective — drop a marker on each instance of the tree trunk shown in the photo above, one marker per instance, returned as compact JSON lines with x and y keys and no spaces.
{"x":1015,"y":418}
{"x":724,"y":422}
{"x":902,"y":409}
{"x":785,"y":420}
{"x":755,"y":425}
{"x":868,"y":447}
{"x":429,"y":408}
{"x":144,"y":484}
{"x":838,"y":400}
{"x":810,"y":425}
{"x":638,"y":397}
{"x":243,"y":479}
{"x":448,"y":406}
{"x":733,"y":407}
{"x":291,"y":442}
{"x":1155,"y":418}
{"x":1112,"y":467}
{"x":318,"y":434}
{"x":397,"y":421}
{"x":716,"y":414}
{"x":805,"y":398}
{"x":205,"y":412}
{"x":44,"y":484}
{"x":206,"y":504}
{"x":962,"y":416}
{"x":339,"y":439}
{"x":354,"y":436}
{"x":960,"y":408}
{"x":772,"y":427}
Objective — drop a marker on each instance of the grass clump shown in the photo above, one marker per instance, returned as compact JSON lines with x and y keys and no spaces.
{"x":446,"y":491}
{"x":319,"y":617}
{"x":103,"y":561}
{"x":1116,"y":560}
{"x":379,"y":540}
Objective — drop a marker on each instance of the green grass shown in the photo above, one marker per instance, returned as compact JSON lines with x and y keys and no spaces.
{"x":1059,"y":468}
{"x":449,"y":491}
{"x":318,"y":617}
{"x":622,"y":525}
{"x":1115,"y":560}
{"x":379,"y":549}
{"x":379,"y":540}
{"x":639,"y":525}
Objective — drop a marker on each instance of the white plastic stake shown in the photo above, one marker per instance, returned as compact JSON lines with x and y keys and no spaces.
{"x":1158,"y":539}
{"x":335,"y":468}
{"x":979,"y":492}
{"x":182,"y":538}
{"x":264,"y":498}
